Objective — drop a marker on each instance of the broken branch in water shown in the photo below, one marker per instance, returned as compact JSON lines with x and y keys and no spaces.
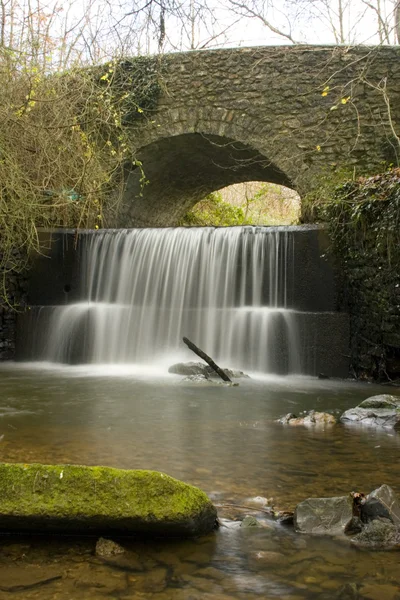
{"x":208,"y":360}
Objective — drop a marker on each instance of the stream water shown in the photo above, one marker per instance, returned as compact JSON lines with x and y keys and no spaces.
{"x":223,"y":439}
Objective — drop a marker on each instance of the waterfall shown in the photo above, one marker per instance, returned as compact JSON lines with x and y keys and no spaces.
{"x":226,"y":289}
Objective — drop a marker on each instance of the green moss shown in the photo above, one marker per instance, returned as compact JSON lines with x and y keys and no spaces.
{"x":363,"y":218}
{"x":101,"y":497}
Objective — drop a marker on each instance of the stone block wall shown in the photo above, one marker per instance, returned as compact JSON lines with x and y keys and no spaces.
{"x":12,"y":302}
{"x":260,"y":114}
{"x":364,"y":223}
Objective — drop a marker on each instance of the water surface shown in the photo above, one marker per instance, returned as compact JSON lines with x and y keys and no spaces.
{"x":223,"y":439}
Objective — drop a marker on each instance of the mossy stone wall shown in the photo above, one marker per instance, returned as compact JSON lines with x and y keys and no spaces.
{"x":364,"y":222}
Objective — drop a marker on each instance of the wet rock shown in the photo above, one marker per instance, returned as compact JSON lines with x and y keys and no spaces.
{"x":105,"y":548}
{"x":189,"y":368}
{"x":324,"y":516}
{"x":373,"y":509}
{"x":389,"y":500}
{"x":79,"y":499}
{"x":311,"y":419}
{"x":232,"y":373}
{"x":381,"y":401}
{"x":286,"y":419}
{"x":354,"y":526}
{"x":250,"y":521}
{"x":348,"y":592}
{"x":198,"y":368}
{"x":259,"y":502}
{"x":378,"y":534}
{"x":284,"y":517}
{"x":377,"y":411}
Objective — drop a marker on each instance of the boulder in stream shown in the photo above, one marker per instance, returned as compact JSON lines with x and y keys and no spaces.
{"x":324,"y":516}
{"x":379,"y":534}
{"x":79,"y":499}
{"x":106,"y":548}
{"x":375,"y":519}
{"x":189,"y":368}
{"x":310,"y":419}
{"x":377,"y":411}
{"x":198,"y":368}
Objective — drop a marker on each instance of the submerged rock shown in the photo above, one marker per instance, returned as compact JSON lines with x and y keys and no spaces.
{"x":312,"y":418}
{"x":250,"y":521}
{"x":80,"y":499}
{"x":324,"y":516}
{"x":377,"y":411}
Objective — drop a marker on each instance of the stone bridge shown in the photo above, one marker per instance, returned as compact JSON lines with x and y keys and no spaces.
{"x":288,"y":115}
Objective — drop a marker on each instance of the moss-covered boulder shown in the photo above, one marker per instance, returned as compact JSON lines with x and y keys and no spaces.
{"x":79,"y":499}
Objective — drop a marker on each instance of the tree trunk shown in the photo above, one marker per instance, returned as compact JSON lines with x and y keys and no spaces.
{"x":208,"y":360}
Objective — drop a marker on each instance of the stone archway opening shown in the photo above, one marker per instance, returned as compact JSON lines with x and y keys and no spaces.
{"x":248,"y":203}
{"x":182,"y":170}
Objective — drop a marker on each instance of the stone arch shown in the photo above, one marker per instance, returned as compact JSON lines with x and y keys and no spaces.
{"x":182,"y":169}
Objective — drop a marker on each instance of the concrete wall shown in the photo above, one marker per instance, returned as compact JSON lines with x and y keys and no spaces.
{"x":59,"y":278}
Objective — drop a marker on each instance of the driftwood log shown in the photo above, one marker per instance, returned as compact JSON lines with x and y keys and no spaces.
{"x":208,"y":360}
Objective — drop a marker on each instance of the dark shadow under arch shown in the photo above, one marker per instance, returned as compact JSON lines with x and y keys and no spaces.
{"x":182,"y":170}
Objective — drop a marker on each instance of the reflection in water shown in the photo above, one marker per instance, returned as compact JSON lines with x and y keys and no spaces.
{"x":220,"y":438}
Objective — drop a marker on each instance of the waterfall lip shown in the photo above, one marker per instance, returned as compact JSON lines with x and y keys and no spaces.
{"x":97,"y":232}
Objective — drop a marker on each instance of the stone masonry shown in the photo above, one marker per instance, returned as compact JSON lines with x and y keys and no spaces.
{"x":289,"y":115}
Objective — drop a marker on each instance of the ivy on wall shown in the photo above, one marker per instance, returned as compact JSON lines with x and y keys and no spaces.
{"x":363,"y":218}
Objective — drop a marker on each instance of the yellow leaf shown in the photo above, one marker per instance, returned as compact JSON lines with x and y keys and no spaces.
{"x":318,"y":148}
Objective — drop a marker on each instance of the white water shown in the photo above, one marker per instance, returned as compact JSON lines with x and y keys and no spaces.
{"x":225,"y":289}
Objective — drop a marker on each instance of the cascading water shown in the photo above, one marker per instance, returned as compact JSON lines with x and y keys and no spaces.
{"x":228,"y":290}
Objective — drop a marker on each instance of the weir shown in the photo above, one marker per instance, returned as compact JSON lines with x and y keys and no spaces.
{"x":256,"y":298}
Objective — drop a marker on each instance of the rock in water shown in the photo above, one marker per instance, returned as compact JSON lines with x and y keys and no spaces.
{"x":79,"y":499}
{"x":107,"y":548}
{"x":198,"y":368}
{"x":376,"y":411}
{"x":310,"y":419}
{"x":378,"y":534}
{"x":388,"y":500}
{"x":324,"y":516}
{"x":189,"y":368}
{"x":232,"y":373}
{"x":249,"y":521}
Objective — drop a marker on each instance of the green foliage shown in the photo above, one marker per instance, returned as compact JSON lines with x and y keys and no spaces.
{"x":271,"y":204}
{"x":363,"y":217}
{"x":63,"y":145}
{"x":213,"y":211}
{"x":324,"y":190}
